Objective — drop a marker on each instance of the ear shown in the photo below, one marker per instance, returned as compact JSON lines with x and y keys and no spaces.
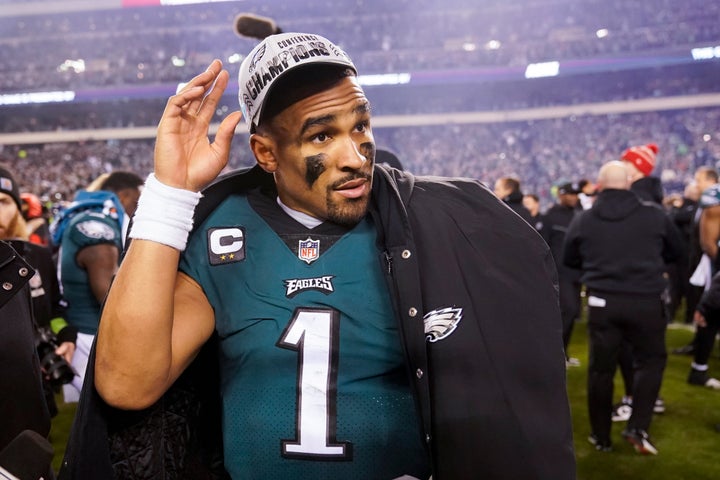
{"x":263,"y":147}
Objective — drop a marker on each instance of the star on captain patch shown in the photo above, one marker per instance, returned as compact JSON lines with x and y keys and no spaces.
{"x":309,"y":250}
{"x":440,"y":323}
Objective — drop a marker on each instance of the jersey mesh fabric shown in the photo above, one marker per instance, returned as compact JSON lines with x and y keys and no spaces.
{"x":313,"y":379}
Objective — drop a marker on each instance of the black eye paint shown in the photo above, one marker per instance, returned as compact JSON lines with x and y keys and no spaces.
{"x":367,"y":150}
{"x":315,"y":166}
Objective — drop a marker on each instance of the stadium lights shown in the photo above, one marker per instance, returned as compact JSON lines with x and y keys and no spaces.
{"x":385,"y":79}
{"x":544,"y":69}
{"x":177,"y":61}
{"x":469,"y":47}
{"x":78,"y":66}
{"x":36,"y":97}
{"x":705,"y":53}
{"x":602,"y":33}
{"x":235,"y":58}
{"x":493,"y":45}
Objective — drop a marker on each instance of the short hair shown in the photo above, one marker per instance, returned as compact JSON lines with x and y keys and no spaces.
{"x":121,"y":180}
{"x":511,"y":183}
{"x":297,"y":84}
{"x":533,"y":196}
{"x":709,"y":173}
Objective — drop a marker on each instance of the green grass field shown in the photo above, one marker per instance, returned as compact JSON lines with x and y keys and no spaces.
{"x":685,"y":434}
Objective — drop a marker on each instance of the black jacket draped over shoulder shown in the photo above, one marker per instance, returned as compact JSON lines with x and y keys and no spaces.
{"x":491,"y":395}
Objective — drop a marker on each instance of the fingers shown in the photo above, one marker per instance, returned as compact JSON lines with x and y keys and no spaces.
{"x":191,"y":97}
{"x":226,"y":132}
{"x":211,"y":100}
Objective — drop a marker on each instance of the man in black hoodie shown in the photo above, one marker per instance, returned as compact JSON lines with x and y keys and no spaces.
{"x":621,"y":245}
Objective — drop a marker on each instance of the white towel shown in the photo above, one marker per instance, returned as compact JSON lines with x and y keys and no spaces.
{"x":702,"y":275}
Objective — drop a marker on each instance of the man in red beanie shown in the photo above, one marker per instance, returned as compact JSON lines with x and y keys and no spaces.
{"x":641,"y":162}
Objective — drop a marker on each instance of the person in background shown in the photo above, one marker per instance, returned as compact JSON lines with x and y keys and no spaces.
{"x":641,"y":160}
{"x":532,"y":203}
{"x":47,"y":302}
{"x":20,"y":370}
{"x":508,"y":190}
{"x":622,"y":245}
{"x":682,"y":210}
{"x":587,"y":194}
{"x":90,"y":235}
{"x":554,"y":223}
{"x":35,"y":216}
{"x":705,"y":177}
{"x":706,"y":331}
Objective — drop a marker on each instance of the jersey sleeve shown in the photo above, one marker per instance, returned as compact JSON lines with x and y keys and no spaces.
{"x":94,"y":229}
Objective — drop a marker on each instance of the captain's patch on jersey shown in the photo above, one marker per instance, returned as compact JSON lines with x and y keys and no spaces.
{"x":440,"y":323}
{"x":96,"y":230}
{"x":321,"y":284}
{"x":309,"y":250}
{"x":226,"y":245}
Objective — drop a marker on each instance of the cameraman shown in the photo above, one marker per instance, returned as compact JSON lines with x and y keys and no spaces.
{"x":48,"y":306}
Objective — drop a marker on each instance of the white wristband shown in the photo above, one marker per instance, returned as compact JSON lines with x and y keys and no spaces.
{"x":164,"y":214}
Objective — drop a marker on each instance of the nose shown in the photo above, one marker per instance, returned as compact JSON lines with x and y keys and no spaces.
{"x":350,"y":156}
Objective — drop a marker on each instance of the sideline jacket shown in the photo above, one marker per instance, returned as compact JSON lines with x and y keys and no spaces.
{"x":622,"y":244}
{"x":491,"y":394}
{"x":23,"y":402}
{"x":555,"y":223}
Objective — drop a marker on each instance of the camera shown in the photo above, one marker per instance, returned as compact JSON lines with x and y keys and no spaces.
{"x":56,"y":369}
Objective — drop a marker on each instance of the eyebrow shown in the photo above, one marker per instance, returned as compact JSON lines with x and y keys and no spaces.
{"x":360,"y":109}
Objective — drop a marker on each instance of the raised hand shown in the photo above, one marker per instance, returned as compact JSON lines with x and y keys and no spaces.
{"x":184,"y":156}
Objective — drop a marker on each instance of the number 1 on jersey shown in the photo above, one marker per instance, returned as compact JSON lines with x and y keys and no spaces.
{"x":313,"y":333}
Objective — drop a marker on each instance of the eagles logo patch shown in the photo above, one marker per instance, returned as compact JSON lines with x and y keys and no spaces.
{"x":96,"y":230}
{"x":440,"y":323}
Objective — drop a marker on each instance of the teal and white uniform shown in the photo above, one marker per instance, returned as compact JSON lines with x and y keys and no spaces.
{"x":313,"y":380}
{"x":85,"y":229}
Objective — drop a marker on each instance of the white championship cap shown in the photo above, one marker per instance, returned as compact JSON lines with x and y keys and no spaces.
{"x":275,"y":56}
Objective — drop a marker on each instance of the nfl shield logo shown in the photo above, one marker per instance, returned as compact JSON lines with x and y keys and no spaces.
{"x":308,"y":250}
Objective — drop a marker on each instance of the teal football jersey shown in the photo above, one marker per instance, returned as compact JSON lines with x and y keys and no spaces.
{"x":313,"y":379}
{"x":84,"y":230}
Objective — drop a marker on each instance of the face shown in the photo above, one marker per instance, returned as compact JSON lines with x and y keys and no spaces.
{"x":500,"y":190}
{"x":702,"y":181}
{"x":531,"y":204}
{"x":568,"y":199}
{"x":321,"y":152}
{"x":8,"y":215}
{"x":129,"y":198}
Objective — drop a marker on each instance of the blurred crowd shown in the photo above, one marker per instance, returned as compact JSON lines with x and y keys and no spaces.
{"x":541,"y":152}
{"x":378,"y":33}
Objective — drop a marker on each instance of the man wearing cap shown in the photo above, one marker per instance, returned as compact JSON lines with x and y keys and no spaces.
{"x":554,"y":226}
{"x":351,"y":343}
{"x":621,"y":245}
{"x":641,"y":161}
